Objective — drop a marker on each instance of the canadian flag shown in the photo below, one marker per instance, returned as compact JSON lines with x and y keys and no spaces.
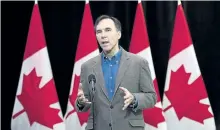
{"x":186,"y":104}
{"x":36,"y":103}
{"x":153,"y":117}
{"x":87,"y":48}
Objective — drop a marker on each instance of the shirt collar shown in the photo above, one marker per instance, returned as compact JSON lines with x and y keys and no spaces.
{"x":116,"y":56}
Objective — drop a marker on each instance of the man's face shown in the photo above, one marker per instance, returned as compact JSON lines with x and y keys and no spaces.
{"x":107,"y":34}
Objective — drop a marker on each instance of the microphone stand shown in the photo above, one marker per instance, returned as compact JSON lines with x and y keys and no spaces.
{"x":93,"y":104}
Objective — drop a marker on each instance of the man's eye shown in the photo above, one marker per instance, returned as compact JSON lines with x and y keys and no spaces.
{"x":108,"y":29}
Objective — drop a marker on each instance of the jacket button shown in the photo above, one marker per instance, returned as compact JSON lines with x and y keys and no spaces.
{"x":111,"y":106}
{"x":110,"y":124}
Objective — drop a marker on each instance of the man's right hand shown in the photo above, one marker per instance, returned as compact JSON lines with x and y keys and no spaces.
{"x":80,"y":96}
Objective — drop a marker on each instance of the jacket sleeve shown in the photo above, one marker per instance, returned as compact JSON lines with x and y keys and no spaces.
{"x":83,"y":80}
{"x":146,"y":98}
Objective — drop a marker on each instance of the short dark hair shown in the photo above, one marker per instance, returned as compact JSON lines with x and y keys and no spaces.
{"x":115,"y":20}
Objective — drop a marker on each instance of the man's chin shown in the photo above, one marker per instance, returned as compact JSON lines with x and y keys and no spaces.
{"x":106,"y":49}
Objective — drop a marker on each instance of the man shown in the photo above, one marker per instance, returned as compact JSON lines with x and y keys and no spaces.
{"x":123,"y":85}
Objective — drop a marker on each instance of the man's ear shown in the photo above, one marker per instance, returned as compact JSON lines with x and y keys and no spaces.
{"x":119,"y":34}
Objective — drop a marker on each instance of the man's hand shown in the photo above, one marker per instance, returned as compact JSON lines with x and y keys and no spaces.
{"x":128,"y":97}
{"x":80,"y":96}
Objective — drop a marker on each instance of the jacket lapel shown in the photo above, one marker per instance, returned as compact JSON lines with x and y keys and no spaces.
{"x":123,"y":66}
{"x":97,"y":68}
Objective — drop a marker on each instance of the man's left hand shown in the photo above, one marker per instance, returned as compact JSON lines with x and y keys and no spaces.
{"x":128,"y":97}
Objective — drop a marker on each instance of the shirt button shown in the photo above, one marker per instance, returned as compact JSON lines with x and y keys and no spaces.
{"x":110,"y":77}
{"x":110,"y":65}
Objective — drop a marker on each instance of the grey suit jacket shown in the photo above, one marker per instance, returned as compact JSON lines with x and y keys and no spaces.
{"x":133,"y":74}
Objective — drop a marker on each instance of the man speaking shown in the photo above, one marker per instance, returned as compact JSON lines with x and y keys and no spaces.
{"x":116,"y":85}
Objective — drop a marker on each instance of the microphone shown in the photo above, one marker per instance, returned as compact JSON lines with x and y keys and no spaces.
{"x":91,"y":78}
{"x":92,"y":81}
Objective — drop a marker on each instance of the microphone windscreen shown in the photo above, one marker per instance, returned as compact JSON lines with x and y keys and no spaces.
{"x":92,"y":78}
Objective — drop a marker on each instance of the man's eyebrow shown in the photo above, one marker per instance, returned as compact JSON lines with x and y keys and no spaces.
{"x":103,"y":29}
{"x":108,"y":28}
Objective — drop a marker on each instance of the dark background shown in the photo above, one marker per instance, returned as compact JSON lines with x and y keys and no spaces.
{"x":62,"y":21}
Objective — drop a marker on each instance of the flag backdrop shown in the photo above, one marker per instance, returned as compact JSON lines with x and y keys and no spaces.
{"x":153,"y":117}
{"x":36,"y":103}
{"x":86,"y":49}
{"x":186,"y":103}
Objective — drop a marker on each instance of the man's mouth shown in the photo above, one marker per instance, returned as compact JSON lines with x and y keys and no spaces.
{"x":105,"y":42}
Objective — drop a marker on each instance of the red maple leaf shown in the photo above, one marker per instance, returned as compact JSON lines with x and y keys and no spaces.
{"x":36,"y":101}
{"x":154,"y":116}
{"x":83,"y":116}
{"x":185,"y":97}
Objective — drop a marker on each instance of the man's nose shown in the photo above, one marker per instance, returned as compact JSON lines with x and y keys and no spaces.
{"x":103,"y":35}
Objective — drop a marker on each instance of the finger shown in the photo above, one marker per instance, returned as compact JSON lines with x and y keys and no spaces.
{"x":124,"y":89}
{"x":80,"y":94}
{"x":126,"y":96}
{"x":80,"y":91}
{"x":87,"y":101}
{"x":81,"y":99}
{"x":80,"y":86}
{"x":125,"y":106}
{"x":128,"y":101}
